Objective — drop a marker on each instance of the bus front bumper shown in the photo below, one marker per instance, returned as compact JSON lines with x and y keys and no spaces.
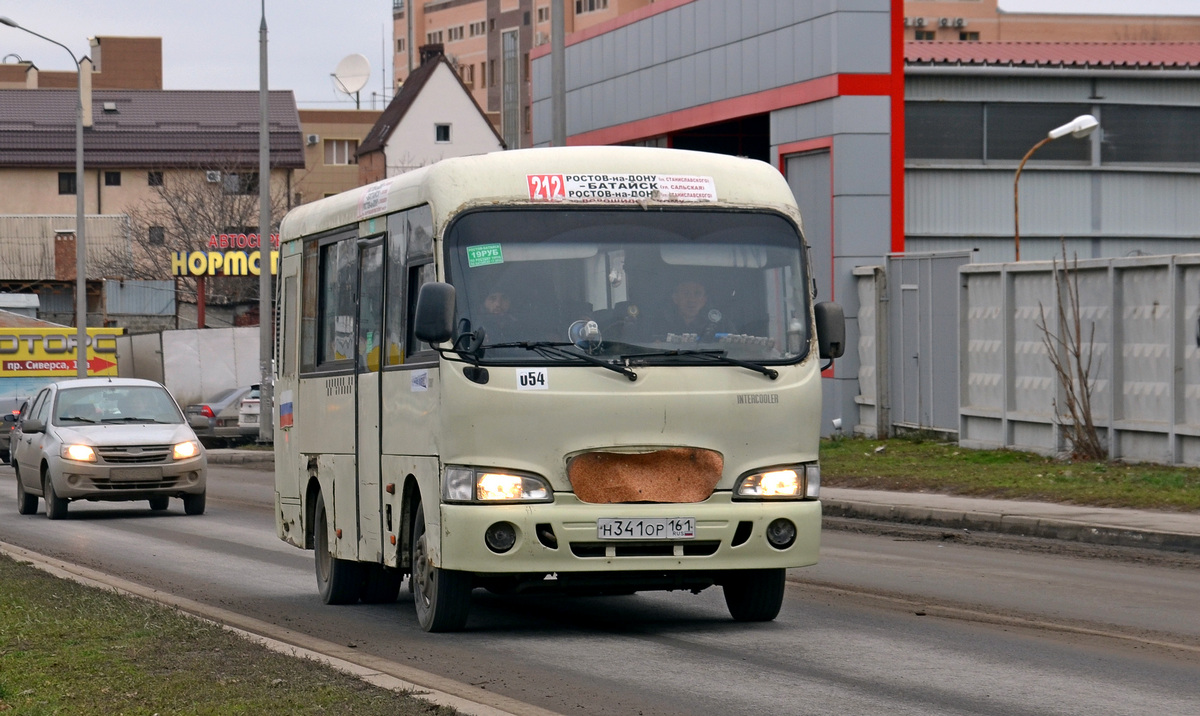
{"x":564,"y":536}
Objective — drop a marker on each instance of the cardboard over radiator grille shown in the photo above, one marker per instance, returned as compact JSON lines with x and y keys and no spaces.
{"x":671,"y":475}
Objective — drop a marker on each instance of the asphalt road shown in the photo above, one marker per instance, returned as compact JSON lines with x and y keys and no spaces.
{"x":909,"y":623}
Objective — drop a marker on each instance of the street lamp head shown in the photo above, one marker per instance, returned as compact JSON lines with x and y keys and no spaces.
{"x":8,"y":21}
{"x":1079,"y":127}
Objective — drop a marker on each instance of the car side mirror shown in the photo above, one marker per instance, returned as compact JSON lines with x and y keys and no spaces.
{"x":10,"y":418}
{"x":33,"y":426}
{"x":831,"y":329}
{"x":434,"y":320}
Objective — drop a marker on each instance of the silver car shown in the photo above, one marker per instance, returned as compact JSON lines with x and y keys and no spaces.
{"x":110,"y":439}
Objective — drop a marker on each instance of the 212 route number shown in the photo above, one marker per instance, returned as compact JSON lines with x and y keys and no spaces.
{"x":532,"y":379}
{"x":547,"y":187}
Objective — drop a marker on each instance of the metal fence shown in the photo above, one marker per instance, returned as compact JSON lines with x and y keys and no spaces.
{"x":1139,"y":327}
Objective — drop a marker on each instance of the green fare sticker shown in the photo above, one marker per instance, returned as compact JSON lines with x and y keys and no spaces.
{"x":484,"y":254}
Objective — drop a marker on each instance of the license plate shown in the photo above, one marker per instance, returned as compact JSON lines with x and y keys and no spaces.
{"x":652,"y":528}
{"x":135,"y":473}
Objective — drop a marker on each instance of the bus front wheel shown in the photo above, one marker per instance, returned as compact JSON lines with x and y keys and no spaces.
{"x":754,"y":595}
{"x":442,"y":596}
{"x":339,"y":580}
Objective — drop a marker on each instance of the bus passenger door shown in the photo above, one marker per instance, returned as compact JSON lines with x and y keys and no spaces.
{"x":368,"y":355}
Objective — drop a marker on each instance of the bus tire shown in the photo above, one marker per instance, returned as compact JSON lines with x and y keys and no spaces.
{"x":380,"y":585}
{"x":442,"y":596}
{"x":754,"y":595}
{"x":339,"y":580}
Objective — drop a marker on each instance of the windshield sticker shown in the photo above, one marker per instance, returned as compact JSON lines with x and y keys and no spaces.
{"x":620,"y":188}
{"x":484,"y":255}
{"x":532,"y":379}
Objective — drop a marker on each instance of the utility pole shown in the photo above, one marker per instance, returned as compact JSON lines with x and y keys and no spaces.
{"x":266,"y":322}
{"x":558,"y":73}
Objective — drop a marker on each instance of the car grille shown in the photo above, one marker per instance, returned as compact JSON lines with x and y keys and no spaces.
{"x":165,"y":483}
{"x":134,"y":454}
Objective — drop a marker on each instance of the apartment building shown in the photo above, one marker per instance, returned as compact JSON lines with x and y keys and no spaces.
{"x":488,"y":43}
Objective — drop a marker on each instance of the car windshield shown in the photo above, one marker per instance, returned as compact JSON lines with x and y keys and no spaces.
{"x":115,"y":404}
{"x":665,"y":286}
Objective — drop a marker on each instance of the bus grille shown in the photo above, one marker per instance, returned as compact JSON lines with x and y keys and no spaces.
{"x":703,"y":548}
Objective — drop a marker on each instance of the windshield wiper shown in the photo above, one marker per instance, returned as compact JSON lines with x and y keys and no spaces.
{"x":79,"y":418}
{"x":133,"y":419}
{"x":716,"y":355}
{"x":550,"y":348}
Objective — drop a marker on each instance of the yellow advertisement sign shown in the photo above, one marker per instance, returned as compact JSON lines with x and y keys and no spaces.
{"x":212,"y":263}
{"x":51,"y":352}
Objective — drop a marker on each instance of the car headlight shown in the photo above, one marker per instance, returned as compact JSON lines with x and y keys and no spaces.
{"x":82,"y":453}
{"x":184,"y":450}
{"x":466,"y":484}
{"x":800,"y":482}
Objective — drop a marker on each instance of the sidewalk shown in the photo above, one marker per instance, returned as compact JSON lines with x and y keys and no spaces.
{"x":1176,"y":531}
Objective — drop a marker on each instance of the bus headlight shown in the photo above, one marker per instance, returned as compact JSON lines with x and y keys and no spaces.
{"x":82,"y":453}
{"x":465,"y":484}
{"x":801,"y":482}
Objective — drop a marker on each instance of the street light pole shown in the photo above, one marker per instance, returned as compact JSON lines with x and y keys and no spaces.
{"x":81,"y":340}
{"x":1080,"y":127}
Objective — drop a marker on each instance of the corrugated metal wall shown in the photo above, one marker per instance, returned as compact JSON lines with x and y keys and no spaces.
{"x":706,"y":51}
{"x":139,"y":298}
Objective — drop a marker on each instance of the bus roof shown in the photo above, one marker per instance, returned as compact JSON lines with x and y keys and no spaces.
{"x":562,"y":175}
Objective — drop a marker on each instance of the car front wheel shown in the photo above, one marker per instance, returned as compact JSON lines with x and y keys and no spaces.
{"x":56,"y":507}
{"x":26,"y":503}
{"x":193,"y":504}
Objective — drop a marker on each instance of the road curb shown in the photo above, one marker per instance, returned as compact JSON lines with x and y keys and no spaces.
{"x":466,"y":698}
{"x":1020,"y":525}
{"x":257,"y":458}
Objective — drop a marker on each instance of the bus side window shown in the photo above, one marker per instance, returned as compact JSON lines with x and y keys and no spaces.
{"x":339,"y":276}
{"x":417,"y":277}
{"x":394,"y":289}
{"x":308,"y":312}
{"x":288,"y":337}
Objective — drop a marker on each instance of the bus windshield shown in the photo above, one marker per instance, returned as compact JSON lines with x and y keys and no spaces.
{"x":664,"y":285}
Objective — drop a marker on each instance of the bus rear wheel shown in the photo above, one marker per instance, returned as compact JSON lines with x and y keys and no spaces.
{"x":339,"y":580}
{"x":754,"y":595}
{"x":442,"y":596}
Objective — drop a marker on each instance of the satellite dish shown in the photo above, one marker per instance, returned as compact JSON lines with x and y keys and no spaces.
{"x":352,"y":73}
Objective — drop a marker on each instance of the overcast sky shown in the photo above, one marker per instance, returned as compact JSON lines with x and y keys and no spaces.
{"x":213,"y":44}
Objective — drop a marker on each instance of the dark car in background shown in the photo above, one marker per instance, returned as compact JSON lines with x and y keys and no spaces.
{"x":9,"y":417}
{"x":215,"y":421}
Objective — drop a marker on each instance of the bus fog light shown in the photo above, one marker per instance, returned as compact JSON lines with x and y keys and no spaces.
{"x":500,"y":537}
{"x":781,"y":533}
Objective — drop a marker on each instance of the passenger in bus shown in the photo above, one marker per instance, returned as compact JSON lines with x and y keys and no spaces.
{"x":691,"y":313}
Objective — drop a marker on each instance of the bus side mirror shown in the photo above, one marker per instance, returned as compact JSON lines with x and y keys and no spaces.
{"x":831,"y":329}
{"x":434,"y":321}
